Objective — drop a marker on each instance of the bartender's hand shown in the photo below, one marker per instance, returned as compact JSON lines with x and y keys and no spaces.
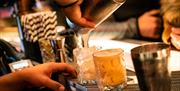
{"x":37,"y":76}
{"x":175,"y":37}
{"x":73,"y":12}
{"x":150,"y":24}
{"x":71,"y":9}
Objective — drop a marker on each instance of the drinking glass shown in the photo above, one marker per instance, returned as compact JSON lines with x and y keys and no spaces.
{"x":151,"y":66}
{"x":85,"y":65}
{"x":110,"y":69}
{"x":46,"y":51}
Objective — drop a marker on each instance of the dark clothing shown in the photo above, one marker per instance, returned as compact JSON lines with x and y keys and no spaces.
{"x":125,"y":20}
{"x":135,"y":8}
{"x":6,"y":3}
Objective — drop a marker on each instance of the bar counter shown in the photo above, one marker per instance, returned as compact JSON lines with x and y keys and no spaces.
{"x":11,"y":35}
{"x":131,"y":86}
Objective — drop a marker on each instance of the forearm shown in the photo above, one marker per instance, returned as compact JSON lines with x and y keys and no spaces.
{"x":11,"y":82}
{"x":119,"y":30}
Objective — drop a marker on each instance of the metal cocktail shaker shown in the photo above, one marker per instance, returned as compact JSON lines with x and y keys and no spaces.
{"x":151,"y":63}
{"x":99,"y":10}
{"x":93,"y":10}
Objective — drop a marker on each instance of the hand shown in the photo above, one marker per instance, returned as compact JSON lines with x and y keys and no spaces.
{"x":40,"y":75}
{"x":74,"y":14}
{"x":175,"y":37}
{"x":150,"y":25}
{"x":37,"y":76}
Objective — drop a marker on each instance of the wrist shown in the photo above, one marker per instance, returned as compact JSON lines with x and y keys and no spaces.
{"x":137,"y":28}
{"x":11,"y":82}
{"x":20,"y":79}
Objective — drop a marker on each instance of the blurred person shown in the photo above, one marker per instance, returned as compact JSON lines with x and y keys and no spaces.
{"x":175,"y":35}
{"x":171,"y":21}
{"x":152,"y":20}
{"x":37,"y":76}
{"x":138,"y":19}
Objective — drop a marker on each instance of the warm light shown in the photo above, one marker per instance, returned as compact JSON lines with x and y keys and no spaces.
{"x":106,"y":44}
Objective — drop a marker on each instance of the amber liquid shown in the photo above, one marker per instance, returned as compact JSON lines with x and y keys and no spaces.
{"x":110,"y":68}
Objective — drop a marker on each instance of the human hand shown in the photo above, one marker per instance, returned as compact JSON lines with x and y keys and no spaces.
{"x":39,"y":75}
{"x":74,"y":13}
{"x":175,"y":37}
{"x":150,"y":25}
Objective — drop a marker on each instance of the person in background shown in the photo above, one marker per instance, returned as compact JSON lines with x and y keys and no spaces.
{"x":175,"y":37}
{"x":138,"y":19}
{"x":171,"y":20}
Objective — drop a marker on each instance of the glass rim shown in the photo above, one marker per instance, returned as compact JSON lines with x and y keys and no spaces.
{"x":119,"y":50}
{"x":150,"y":47}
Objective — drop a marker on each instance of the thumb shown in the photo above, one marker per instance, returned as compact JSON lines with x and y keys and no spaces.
{"x":54,"y":85}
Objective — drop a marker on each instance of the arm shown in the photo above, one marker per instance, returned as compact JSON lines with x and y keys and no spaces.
{"x":112,"y":29}
{"x":147,"y":25}
{"x":11,"y":82}
{"x":150,"y":24}
{"x":36,"y":76}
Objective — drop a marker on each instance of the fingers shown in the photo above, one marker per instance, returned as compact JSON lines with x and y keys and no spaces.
{"x":154,"y":12}
{"x":83,"y":22}
{"x":63,"y":67}
{"x":75,"y":15}
{"x":157,"y":23}
{"x":55,"y":86}
{"x":176,"y":31}
{"x":175,"y":36}
{"x":175,"y":39}
{"x":156,"y":26}
{"x":156,"y":35}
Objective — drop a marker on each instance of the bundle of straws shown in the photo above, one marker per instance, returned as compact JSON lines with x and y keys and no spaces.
{"x":39,"y":26}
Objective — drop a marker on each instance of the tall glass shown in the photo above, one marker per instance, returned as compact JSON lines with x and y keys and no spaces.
{"x":151,"y":65}
{"x":111,"y":70}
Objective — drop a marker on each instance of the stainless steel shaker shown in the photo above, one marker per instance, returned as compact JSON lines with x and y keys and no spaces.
{"x":99,"y":10}
{"x":151,"y":63}
{"x":93,"y":10}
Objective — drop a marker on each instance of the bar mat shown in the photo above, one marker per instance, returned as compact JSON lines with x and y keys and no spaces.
{"x":132,"y":87}
{"x":175,"y":83}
